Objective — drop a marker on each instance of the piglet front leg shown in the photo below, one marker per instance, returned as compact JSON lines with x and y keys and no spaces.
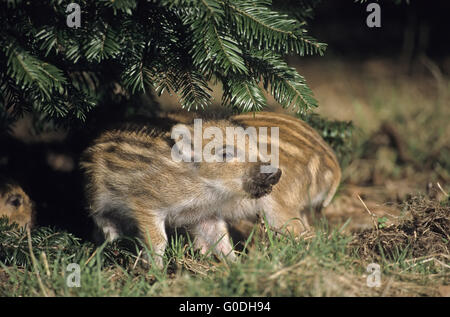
{"x":212,"y":234}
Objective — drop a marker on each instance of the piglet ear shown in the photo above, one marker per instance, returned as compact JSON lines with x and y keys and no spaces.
{"x":179,"y":131}
{"x":182,"y":150}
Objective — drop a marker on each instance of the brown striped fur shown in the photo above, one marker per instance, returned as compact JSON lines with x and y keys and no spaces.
{"x":135,"y":188}
{"x":311,"y":172}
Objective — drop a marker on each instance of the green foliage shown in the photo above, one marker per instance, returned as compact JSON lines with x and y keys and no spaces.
{"x":14,"y":244}
{"x":14,"y":248}
{"x":60,"y":73}
{"x":338,"y":134}
{"x":382,"y":222}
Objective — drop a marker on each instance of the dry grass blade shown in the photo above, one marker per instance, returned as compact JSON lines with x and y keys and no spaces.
{"x":372,"y":215}
{"x":35,"y":266}
{"x":284,"y":270}
{"x":46,"y":266}
{"x":442,"y":190}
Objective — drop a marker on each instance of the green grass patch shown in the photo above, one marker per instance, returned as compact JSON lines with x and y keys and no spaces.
{"x":323,"y":264}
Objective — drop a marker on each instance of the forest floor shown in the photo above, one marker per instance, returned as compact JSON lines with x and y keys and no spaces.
{"x":392,"y":209}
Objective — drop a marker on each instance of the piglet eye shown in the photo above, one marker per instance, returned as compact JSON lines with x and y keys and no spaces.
{"x":227,"y":153}
{"x":15,"y":200}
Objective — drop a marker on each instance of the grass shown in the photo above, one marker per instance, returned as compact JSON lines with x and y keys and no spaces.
{"x":323,"y":264}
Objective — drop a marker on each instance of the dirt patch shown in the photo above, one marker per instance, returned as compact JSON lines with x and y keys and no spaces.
{"x":346,"y":206}
{"x":423,"y":228}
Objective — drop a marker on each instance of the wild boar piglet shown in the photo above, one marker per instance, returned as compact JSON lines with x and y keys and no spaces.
{"x":137,"y":182}
{"x":16,"y":204}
